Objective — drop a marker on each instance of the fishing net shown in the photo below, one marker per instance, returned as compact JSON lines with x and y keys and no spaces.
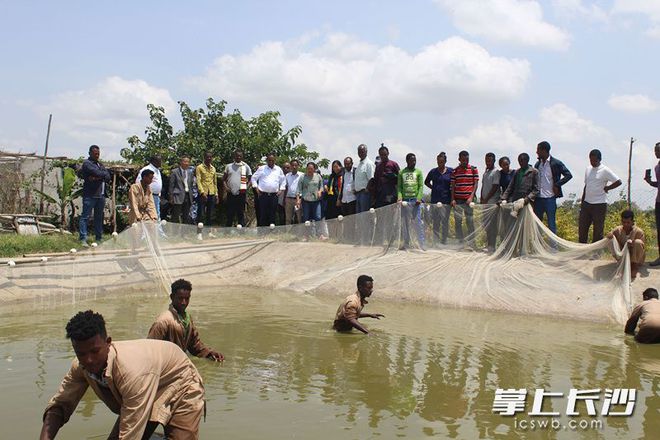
{"x":501,"y":258}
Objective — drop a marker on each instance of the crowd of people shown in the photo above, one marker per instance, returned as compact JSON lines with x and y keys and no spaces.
{"x":286,"y":195}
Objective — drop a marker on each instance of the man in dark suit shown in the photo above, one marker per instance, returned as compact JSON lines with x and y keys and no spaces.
{"x":553,"y":174}
{"x":181,"y":191}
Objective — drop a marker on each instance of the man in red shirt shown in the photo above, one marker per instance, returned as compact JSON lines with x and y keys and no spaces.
{"x":464,"y":182}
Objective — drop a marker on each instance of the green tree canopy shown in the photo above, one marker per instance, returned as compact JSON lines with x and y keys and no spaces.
{"x":220,"y":132}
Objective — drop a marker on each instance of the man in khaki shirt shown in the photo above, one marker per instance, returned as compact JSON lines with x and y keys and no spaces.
{"x":141,"y":200}
{"x":350,"y":310}
{"x":628,"y":233}
{"x":177,"y":326}
{"x":649,"y":313}
{"x":145,"y":382}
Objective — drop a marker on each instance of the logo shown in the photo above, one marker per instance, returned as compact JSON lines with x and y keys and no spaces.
{"x":616,"y":402}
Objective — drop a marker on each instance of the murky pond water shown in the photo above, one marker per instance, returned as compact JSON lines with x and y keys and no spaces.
{"x":424,"y":371}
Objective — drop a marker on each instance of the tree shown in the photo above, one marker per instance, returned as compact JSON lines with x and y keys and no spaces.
{"x":214,"y":129}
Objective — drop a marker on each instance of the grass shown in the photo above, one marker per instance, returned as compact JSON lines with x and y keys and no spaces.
{"x":14,"y":245}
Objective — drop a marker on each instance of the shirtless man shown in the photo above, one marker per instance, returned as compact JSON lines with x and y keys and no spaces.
{"x":649,"y":313}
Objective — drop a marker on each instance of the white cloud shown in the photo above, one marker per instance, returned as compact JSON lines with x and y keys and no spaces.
{"x":105,"y":114}
{"x":646,"y":7}
{"x":649,"y":8}
{"x":577,"y":9}
{"x":518,"y":22}
{"x":346,"y":77}
{"x":563,"y":124}
{"x":632,"y":103}
{"x":654,"y":31}
{"x":503,"y":138}
{"x":332,"y":138}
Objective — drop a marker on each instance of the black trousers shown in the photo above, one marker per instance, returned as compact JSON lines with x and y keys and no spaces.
{"x":235,"y":209}
{"x":348,"y":208}
{"x":181,"y":213}
{"x":591,"y":214}
{"x":267,"y":209}
{"x":657,"y":222}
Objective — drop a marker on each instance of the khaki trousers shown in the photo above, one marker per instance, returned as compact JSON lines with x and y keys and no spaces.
{"x":290,"y":211}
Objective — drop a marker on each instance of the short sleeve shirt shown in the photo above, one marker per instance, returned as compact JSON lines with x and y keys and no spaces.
{"x":234,"y":172}
{"x":595,"y":180}
{"x":350,"y":308}
{"x":490,"y":179}
{"x":464,"y":180}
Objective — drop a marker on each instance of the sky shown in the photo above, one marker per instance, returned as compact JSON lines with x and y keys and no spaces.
{"x":421,"y":76}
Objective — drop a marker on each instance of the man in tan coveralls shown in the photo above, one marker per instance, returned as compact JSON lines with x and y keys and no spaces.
{"x":649,"y":313}
{"x":145,"y":382}
{"x":141,"y":200}
{"x":627,"y":232}
{"x":350,"y":310}
{"x":176,"y":325}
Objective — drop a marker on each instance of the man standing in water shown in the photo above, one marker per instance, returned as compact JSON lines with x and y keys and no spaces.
{"x":145,"y":382}
{"x":176,"y":325}
{"x":350,"y":310}
{"x":649,"y":312}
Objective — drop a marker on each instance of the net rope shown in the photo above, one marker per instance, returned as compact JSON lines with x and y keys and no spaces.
{"x":527,"y":269}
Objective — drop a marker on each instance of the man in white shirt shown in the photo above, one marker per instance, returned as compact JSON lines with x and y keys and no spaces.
{"x":291,"y":214}
{"x":157,"y":184}
{"x":364,"y":171}
{"x":348,"y":198}
{"x":269,"y":182}
{"x":236,"y":177}
{"x":594,"y":197}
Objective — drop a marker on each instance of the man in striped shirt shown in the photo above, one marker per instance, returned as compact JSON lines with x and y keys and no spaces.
{"x":464,"y":182}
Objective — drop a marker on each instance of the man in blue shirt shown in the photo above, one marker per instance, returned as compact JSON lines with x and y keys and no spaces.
{"x":439,"y":180}
{"x":95,"y":177}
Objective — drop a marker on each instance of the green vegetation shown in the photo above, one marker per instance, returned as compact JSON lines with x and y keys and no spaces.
{"x":13,"y":245}
{"x":220,"y":132}
{"x":569,"y":213}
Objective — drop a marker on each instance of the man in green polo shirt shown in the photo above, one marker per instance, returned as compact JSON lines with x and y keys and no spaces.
{"x":410,"y":190}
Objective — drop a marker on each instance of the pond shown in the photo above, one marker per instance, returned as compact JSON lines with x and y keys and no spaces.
{"x":424,"y":371}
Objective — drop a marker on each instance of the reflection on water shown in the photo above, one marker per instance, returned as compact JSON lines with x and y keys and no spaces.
{"x":424,"y":371}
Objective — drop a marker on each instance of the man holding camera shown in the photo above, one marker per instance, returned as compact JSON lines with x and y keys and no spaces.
{"x":648,"y":180}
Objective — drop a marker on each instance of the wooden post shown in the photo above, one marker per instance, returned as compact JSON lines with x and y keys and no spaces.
{"x":114,"y":201}
{"x":43,"y":166}
{"x":632,"y":141}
